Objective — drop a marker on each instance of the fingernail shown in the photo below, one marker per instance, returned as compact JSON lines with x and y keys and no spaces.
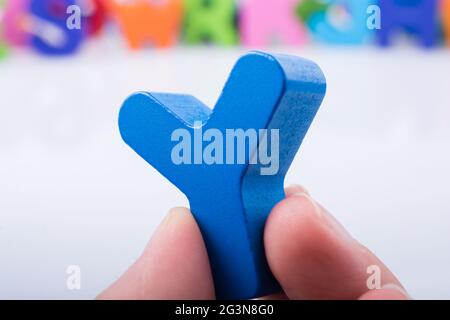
{"x":166,"y":225}
{"x":297,"y":188}
{"x":168,"y":219}
{"x":397,"y":288}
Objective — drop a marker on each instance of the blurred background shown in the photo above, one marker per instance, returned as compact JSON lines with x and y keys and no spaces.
{"x":73,"y":194}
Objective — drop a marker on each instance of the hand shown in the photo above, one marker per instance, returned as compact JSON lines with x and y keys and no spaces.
{"x":309,"y":252}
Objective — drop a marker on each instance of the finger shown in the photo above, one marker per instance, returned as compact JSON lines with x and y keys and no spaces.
{"x":387,"y":292}
{"x":313,"y":257}
{"x":174,"y":265}
{"x":289,"y":191}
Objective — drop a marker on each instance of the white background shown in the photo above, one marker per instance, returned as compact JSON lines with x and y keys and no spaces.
{"x":72,"y":193}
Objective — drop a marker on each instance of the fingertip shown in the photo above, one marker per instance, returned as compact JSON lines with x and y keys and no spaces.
{"x":313,"y":256}
{"x":178,"y":249}
{"x":178,"y":222}
{"x":177,"y":214}
{"x":294,"y":189}
{"x":293,"y":232}
{"x":291,"y":214}
{"x":174,"y":264}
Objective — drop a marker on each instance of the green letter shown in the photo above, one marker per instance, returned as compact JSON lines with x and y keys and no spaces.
{"x":210,"y":21}
{"x":3,"y":48}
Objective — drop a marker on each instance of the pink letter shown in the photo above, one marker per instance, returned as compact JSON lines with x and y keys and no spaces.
{"x":14,"y":21}
{"x":264,"y":20}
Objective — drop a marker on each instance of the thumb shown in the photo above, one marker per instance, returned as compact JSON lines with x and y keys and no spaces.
{"x":174,"y":265}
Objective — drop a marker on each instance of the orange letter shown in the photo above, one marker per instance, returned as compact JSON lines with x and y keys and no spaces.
{"x":144,"y":21}
{"x":446,"y":19}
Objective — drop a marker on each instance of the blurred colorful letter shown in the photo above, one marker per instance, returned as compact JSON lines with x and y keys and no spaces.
{"x":2,"y":44}
{"x":94,"y":14}
{"x":263,"y":20}
{"x":306,"y":8}
{"x":50,"y":33}
{"x":344,"y":22}
{"x":14,"y":20}
{"x":144,"y":21}
{"x":446,"y":19}
{"x":418,"y":17}
{"x":210,"y":20}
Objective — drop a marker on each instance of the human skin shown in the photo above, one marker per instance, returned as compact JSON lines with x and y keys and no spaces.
{"x":309,"y":252}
